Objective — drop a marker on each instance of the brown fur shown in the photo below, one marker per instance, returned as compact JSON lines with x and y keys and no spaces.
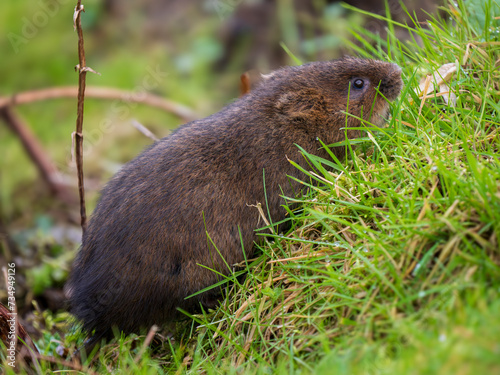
{"x":142,"y":251}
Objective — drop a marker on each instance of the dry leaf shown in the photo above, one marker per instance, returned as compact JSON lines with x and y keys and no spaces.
{"x":439,"y":79}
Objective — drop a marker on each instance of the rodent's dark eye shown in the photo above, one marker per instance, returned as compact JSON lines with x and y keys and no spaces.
{"x":358,"y":83}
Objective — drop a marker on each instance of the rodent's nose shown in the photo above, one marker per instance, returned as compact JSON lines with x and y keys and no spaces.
{"x":396,"y":69}
{"x":392,"y":83}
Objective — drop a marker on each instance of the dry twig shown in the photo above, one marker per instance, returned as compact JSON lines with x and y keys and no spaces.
{"x":37,"y":154}
{"x":82,"y":74}
{"x":74,"y":365}
{"x":109,"y":93}
{"x":148,"y":133}
{"x":147,"y":341}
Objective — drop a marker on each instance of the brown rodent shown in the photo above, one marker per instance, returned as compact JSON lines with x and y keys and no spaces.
{"x":147,"y":238}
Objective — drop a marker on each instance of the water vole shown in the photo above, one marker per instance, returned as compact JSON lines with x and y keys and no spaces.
{"x":145,"y":242}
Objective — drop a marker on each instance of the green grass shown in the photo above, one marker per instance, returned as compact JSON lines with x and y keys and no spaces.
{"x":393,"y":261}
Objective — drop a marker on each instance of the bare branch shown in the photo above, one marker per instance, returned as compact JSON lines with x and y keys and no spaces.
{"x":37,"y":154}
{"x":82,"y":74}
{"x":148,"y":133}
{"x":72,"y":365}
{"x":151,"y":100}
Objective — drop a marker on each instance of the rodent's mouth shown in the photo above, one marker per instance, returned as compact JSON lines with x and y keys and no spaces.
{"x":381,"y":115}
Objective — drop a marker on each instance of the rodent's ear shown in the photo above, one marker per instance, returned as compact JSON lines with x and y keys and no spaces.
{"x":301,"y":105}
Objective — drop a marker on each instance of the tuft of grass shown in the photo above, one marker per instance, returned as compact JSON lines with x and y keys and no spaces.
{"x":394,"y":256}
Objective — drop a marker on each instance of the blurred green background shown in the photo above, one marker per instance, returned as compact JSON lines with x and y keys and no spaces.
{"x":38,"y":49}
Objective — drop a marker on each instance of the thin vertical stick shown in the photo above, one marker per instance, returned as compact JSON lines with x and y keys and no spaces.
{"x":82,"y":73}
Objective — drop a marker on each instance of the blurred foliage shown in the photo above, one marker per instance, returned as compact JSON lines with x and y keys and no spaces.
{"x":38,"y":50}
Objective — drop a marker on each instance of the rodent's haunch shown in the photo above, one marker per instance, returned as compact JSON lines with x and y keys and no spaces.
{"x":145,"y":242}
